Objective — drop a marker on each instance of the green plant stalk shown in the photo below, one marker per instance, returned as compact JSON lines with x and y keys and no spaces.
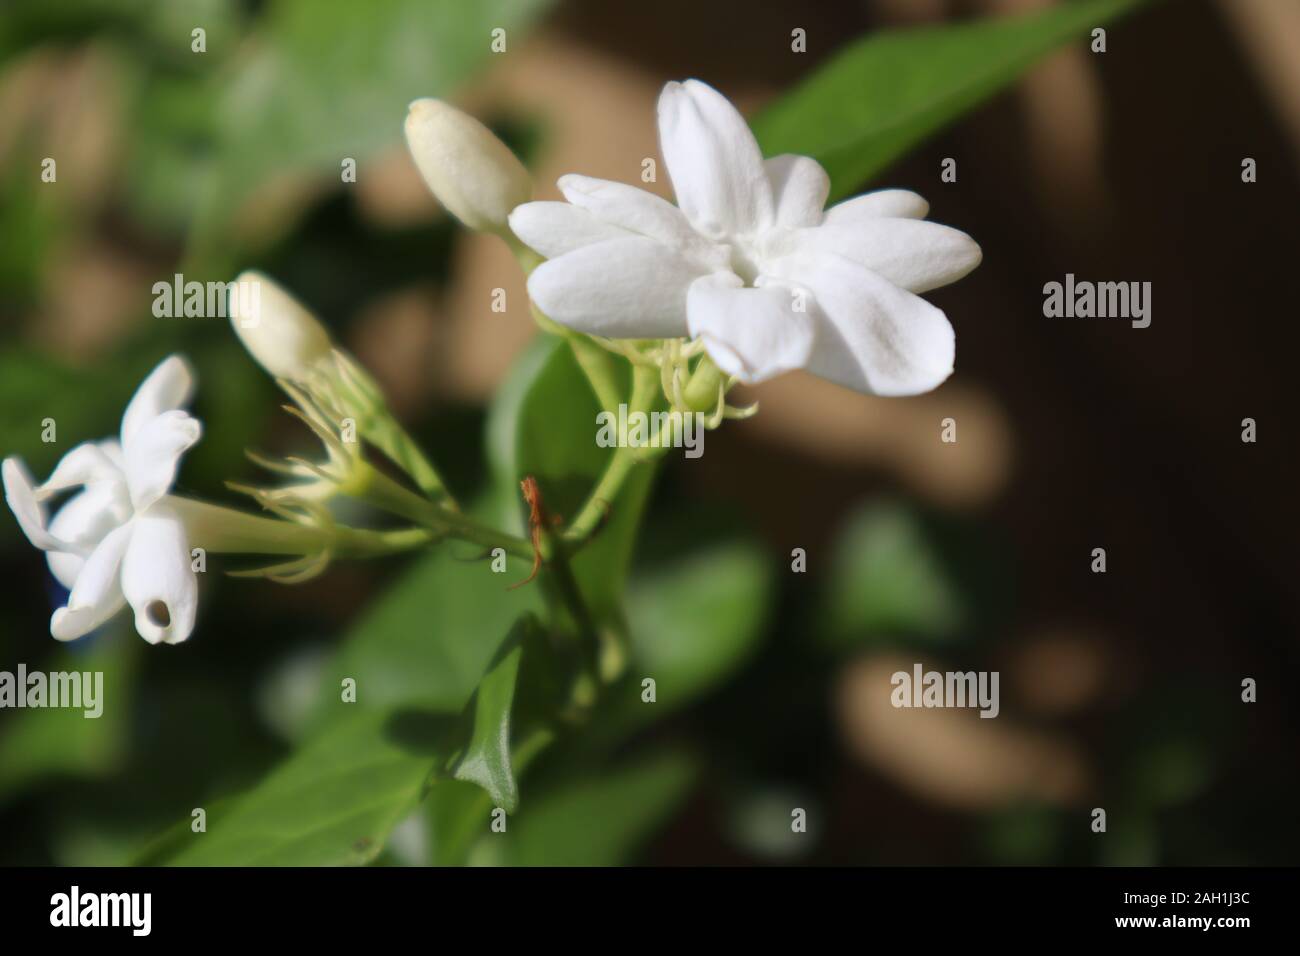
{"x":377,"y":489}
{"x":365,"y":543}
{"x":384,"y":432}
{"x":596,"y":363}
{"x":645,"y":389}
{"x":354,"y":391}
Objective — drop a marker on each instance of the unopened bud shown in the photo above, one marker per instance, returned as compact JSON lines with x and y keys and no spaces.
{"x":281,"y":335}
{"x":465,"y":166}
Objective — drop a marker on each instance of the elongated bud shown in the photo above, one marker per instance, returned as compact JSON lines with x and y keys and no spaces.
{"x":285,"y":338}
{"x":465,"y":166}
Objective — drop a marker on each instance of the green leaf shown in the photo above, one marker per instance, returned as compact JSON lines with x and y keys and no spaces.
{"x":594,"y":821}
{"x":84,"y":404}
{"x":336,"y":799}
{"x":329,"y":79}
{"x":882,"y":95}
{"x":694,"y":623}
{"x":887,"y":580}
{"x":487,"y":759}
{"x":460,"y":812}
{"x":41,"y":743}
{"x":430,"y":639}
{"x":333,"y":802}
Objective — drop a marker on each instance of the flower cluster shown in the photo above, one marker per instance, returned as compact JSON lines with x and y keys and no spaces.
{"x":746,"y":277}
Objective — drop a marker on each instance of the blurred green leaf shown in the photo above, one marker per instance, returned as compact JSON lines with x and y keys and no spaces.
{"x":328,"y":79}
{"x":333,"y":802}
{"x":1022,"y":835}
{"x":693,"y":623}
{"x":41,"y":743}
{"x":32,"y":222}
{"x":882,"y":95}
{"x":430,"y":638}
{"x":593,"y":821}
{"x":887,"y":580}
{"x":459,"y":812}
{"x":85,"y":404}
{"x":150,"y":27}
{"x":1168,"y":753}
{"x":487,"y":759}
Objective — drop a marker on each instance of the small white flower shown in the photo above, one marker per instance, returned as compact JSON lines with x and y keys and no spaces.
{"x":119,"y":540}
{"x":749,"y":262}
{"x":465,"y":166}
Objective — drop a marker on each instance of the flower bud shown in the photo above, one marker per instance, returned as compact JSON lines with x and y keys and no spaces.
{"x":465,"y":166}
{"x":282,"y":336}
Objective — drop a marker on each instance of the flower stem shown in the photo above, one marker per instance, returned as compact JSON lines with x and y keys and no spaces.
{"x":375,"y":488}
{"x":384,"y":432}
{"x":364,"y":543}
{"x":645,"y":389}
{"x":352,"y":388}
{"x":596,"y":363}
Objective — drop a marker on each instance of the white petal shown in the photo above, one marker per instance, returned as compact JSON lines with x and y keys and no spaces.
{"x":112,"y":449}
{"x":553,"y":228}
{"x":83,"y":521}
{"x":641,"y":213}
{"x":157,"y":578}
{"x":153,"y":452}
{"x":623,"y":288}
{"x":97,"y":594}
{"x":799,"y":187}
{"x":911,"y":253}
{"x":713,"y":160}
{"x":21,"y":496}
{"x":65,"y":566}
{"x":752,"y":333}
{"x":875,"y":337}
{"x":895,"y":203}
{"x":168,"y":386}
{"x":88,"y":462}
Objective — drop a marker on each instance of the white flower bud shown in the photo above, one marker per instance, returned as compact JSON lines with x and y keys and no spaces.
{"x":282,"y":336}
{"x":465,"y":166}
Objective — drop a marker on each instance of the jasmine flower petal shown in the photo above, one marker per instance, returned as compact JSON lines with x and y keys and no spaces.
{"x":752,"y":333}
{"x":634,"y":288}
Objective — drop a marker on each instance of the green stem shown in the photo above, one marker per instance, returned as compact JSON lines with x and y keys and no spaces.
{"x":645,"y":390}
{"x":597,"y":364}
{"x":364,"y":543}
{"x":376,"y":488}
{"x":384,"y":432}
{"x":354,"y":391}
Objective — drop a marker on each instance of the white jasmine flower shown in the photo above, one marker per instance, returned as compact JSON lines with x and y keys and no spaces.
{"x":749,"y":262}
{"x":278,"y":332}
{"x":465,"y":166}
{"x":120,"y":540}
